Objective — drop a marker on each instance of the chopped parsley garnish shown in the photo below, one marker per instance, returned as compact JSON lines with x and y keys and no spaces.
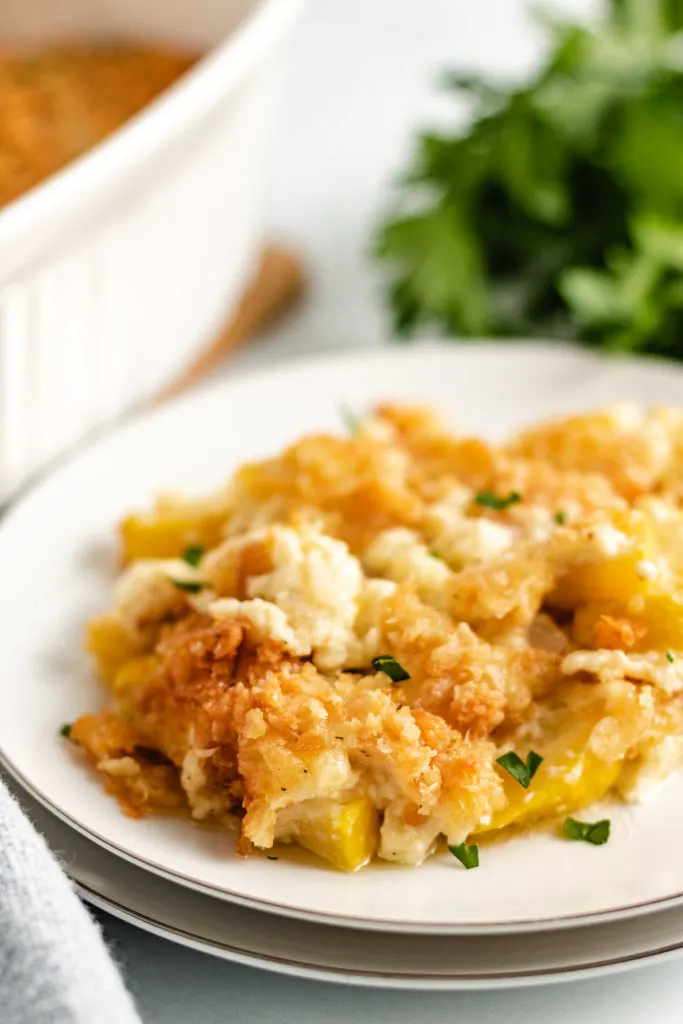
{"x":193,"y":554}
{"x":670,"y":657}
{"x":433,"y":553}
{"x":65,"y":730}
{"x":273,"y":858}
{"x":350,"y":420}
{"x":596,"y":832}
{"x":189,"y":585}
{"x":498,"y":502}
{"x":560,"y":517}
{"x":385,"y":663}
{"x":467,"y":855}
{"x":523,"y":773}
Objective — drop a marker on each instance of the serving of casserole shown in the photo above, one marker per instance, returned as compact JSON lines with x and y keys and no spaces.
{"x":398,"y":635}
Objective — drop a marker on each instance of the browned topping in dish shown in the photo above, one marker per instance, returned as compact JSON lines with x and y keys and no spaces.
{"x":56,"y":104}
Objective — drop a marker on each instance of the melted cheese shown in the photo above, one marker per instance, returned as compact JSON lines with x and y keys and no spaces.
{"x":401,"y":555}
{"x":652,"y":667}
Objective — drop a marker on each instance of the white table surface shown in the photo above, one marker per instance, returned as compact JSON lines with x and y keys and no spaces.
{"x":362,"y":74}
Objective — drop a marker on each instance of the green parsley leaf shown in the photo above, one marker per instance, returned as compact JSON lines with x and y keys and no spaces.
{"x":521,"y":772}
{"x":467,"y":855}
{"x":487,"y":499}
{"x":350,"y":420}
{"x":596,"y":832}
{"x":193,"y":554}
{"x":65,"y":730}
{"x":273,"y":858}
{"x":533,"y":763}
{"x":670,"y":657}
{"x":434,"y":554}
{"x":554,"y":208}
{"x":385,"y":663}
{"x":190,"y":586}
{"x":560,"y":517}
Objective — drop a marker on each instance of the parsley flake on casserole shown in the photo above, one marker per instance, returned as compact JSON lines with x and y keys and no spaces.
{"x":374,"y":641}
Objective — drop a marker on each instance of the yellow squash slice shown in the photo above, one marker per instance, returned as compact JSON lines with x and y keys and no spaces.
{"x":612,"y":579}
{"x":345,"y":834}
{"x":167,"y":536}
{"x":571,"y":776}
{"x":110,"y":644}
{"x":653,"y":622}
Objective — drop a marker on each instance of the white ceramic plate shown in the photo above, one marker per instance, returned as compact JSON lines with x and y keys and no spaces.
{"x":57,"y":554}
{"x":325,"y":953}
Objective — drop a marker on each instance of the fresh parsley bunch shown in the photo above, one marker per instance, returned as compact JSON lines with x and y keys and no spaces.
{"x":559,"y":211}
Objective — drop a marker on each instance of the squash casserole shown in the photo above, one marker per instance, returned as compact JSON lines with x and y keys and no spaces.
{"x":379,"y":641}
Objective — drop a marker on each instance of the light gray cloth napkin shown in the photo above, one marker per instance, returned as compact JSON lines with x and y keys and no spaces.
{"x":54,"y":965}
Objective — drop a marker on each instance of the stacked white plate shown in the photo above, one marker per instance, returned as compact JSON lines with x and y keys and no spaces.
{"x":537,"y":909}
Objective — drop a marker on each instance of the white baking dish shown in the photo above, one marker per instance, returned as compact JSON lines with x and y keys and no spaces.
{"x":116,"y":269}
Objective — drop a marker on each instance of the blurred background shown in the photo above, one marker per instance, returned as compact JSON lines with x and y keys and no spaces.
{"x":392,"y":169}
{"x":364,"y":79}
